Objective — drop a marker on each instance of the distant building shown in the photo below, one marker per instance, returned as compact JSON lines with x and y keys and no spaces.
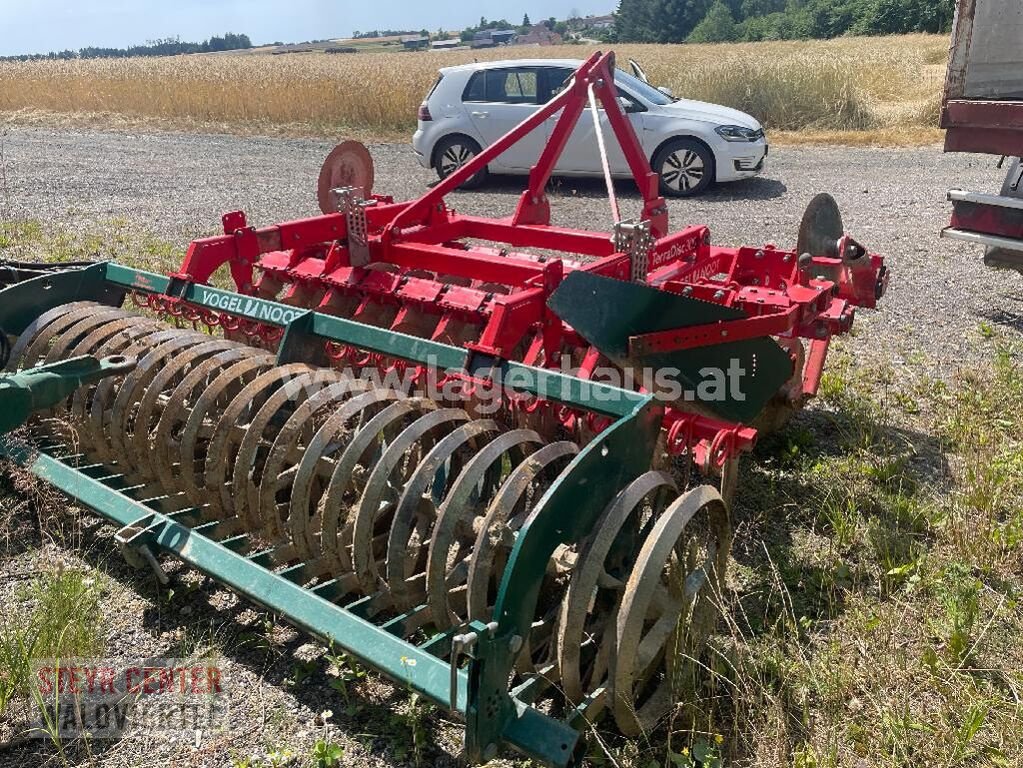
{"x":446,"y":45}
{"x":539,"y":35}
{"x":490,"y":38}
{"x":599,"y":22}
{"x":415,"y":42}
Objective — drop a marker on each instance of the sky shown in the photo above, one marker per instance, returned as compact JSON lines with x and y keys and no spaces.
{"x":40,"y":26}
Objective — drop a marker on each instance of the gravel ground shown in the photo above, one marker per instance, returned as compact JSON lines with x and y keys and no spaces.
{"x":177,"y":185}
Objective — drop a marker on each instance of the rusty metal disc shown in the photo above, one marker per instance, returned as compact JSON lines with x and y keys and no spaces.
{"x":123,"y":333}
{"x":203,"y":420}
{"x":230,"y":432}
{"x":158,"y":395}
{"x":374,"y":510}
{"x":180,"y":404}
{"x":50,"y":322}
{"x":121,"y":425}
{"x":453,"y":535}
{"x":821,"y":228}
{"x":254,"y":449}
{"x":100,"y":419}
{"x":273,"y":496}
{"x":349,"y":164}
{"x":418,"y":509}
{"x":669,"y":608}
{"x":316,"y":467}
{"x":72,"y":336}
{"x":586,"y":631}
{"x":497,"y":531}
{"x":95,"y":343}
{"x":348,"y":480}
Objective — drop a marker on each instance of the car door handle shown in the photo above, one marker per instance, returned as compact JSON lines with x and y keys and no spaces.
{"x":480,"y":114}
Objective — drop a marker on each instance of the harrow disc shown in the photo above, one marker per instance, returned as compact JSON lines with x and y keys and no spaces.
{"x":458,"y":518}
{"x":668,"y":609}
{"x":821,"y":227}
{"x":349,"y":164}
{"x":586,"y":636}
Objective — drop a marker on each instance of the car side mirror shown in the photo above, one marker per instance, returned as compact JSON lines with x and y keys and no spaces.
{"x":629,"y":106}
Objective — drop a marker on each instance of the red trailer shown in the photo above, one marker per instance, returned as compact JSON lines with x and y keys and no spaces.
{"x":983,"y":112}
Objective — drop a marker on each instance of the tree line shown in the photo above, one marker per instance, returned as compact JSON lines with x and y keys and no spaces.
{"x":712,"y":21}
{"x":170,"y":46}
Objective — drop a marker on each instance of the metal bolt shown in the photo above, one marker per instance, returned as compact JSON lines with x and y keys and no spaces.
{"x":719,"y":295}
{"x":515,"y":644}
{"x":760,"y":254}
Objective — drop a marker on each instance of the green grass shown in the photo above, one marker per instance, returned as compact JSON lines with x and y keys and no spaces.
{"x":55,"y":617}
{"x":115,"y":239}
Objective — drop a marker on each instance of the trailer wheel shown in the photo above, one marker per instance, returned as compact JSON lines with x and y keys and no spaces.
{"x":685,"y":166}
{"x":452,"y":153}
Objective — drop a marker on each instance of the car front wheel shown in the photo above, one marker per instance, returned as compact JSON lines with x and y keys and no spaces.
{"x":686,"y":167}
{"x":454,"y":152}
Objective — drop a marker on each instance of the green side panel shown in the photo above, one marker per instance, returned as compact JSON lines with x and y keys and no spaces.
{"x":566,"y":514}
{"x":126,"y":277}
{"x":22,"y":303}
{"x":606,"y":312}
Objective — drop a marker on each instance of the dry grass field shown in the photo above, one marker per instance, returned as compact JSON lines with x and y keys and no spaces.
{"x":851,"y":90}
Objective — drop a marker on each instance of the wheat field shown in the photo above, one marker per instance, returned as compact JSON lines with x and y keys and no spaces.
{"x":857,"y":90}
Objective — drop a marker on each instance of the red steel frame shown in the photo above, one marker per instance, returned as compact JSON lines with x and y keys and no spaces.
{"x":423,"y":278}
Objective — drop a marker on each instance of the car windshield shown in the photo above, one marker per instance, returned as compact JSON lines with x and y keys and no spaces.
{"x":644,"y":90}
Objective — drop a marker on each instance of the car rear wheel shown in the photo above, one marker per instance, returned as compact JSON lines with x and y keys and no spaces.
{"x":452,"y":153}
{"x":686,"y":167}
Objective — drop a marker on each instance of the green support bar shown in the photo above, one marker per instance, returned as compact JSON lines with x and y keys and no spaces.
{"x":115,"y":279}
{"x":43,"y":387}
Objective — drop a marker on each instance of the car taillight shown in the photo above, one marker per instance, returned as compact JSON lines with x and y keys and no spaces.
{"x":424,"y":113}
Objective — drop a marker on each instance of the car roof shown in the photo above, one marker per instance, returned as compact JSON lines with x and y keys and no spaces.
{"x":476,"y":66}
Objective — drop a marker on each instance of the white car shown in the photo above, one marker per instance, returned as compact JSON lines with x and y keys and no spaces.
{"x":691,"y":144}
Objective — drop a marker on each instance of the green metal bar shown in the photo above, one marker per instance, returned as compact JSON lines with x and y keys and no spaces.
{"x":370,"y":644}
{"x":440,"y":644}
{"x":235,"y":543}
{"x":543,"y":382}
{"x":399,"y":625}
{"x":48,"y":385}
